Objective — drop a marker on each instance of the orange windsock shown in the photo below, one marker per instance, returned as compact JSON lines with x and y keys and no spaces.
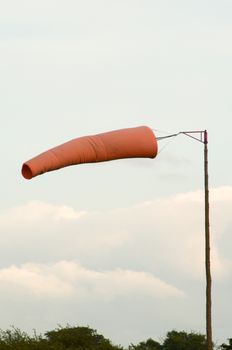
{"x":139,"y":142}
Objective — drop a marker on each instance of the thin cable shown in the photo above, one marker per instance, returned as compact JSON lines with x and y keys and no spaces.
{"x":166,"y":144}
{"x":165,"y":137}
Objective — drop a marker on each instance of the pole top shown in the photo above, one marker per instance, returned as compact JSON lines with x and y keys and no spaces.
{"x":205,"y":137}
{"x":198,"y":135}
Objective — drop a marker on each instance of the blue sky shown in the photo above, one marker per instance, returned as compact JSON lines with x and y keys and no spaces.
{"x":75,"y":68}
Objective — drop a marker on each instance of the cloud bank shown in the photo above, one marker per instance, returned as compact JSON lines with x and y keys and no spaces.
{"x":67,"y":279}
{"x":150,"y":255}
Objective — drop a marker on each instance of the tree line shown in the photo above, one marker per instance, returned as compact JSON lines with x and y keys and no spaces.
{"x":85,"y":338}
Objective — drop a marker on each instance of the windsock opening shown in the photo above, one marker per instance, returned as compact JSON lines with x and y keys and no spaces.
{"x":27,"y":172}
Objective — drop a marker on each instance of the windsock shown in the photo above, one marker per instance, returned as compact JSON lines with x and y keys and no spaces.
{"x":138,"y":142}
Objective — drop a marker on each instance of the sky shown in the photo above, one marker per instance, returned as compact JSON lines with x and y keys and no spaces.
{"x":118,"y":246}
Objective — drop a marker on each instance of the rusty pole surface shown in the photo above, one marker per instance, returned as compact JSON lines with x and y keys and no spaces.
{"x":207,"y":250}
{"x":202,"y":136}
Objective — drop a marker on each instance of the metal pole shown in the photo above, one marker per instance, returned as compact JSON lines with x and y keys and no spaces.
{"x":202,"y":136}
{"x":207,"y":250}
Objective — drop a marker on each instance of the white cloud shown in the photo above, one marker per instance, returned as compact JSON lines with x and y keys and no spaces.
{"x":36,"y":212}
{"x":167,"y":233}
{"x":67,"y":279}
{"x":35,"y":279}
{"x":151,"y":252}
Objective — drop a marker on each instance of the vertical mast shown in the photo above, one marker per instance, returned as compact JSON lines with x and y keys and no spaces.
{"x":202,"y":136}
{"x":207,"y":249}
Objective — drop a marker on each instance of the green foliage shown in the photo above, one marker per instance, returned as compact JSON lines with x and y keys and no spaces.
{"x":15,"y":339}
{"x":85,"y":338}
{"x":174,"y":341}
{"x":67,"y":338}
{"x":150,"y":344}
{"x":78,"y":338}
{"x":184,"y":341}
{"x":227,"y":347}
